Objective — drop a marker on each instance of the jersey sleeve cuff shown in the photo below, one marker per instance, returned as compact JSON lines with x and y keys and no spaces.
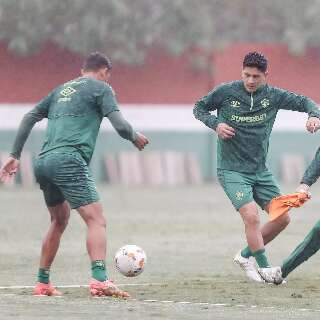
{"x":15,"y":155}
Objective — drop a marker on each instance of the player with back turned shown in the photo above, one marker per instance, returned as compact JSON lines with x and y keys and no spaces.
{"x":75,"y":111}
{"x":246,"y":111}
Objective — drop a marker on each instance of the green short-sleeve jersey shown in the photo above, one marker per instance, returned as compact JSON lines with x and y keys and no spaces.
{"x":252,"y":115}
{"x":75,"y":111}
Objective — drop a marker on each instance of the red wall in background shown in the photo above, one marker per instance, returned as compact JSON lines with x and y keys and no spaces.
{"x":162,"y":79}
{"x":298,"y":74}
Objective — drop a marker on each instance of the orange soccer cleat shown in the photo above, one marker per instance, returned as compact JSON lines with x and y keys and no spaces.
{"x":45,"y":289}
{"x":282,"y":204}
{"x":106,"y":288}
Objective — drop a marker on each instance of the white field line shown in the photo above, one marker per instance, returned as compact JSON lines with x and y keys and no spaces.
{"x":84,"y":286}
{"x":208,"y":304}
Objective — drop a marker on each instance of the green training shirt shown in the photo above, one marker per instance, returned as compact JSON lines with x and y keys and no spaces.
{"x":312,"y":173}
{"x":252,"y":115}
{"x":74,"y":111}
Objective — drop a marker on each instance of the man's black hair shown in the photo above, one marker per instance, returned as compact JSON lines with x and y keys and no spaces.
{"x":255,"y":60}
{"x":96,"y":61}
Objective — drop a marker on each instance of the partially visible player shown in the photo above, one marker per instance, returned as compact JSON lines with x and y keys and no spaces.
{"x":74,"y":110}
{"x":311,"y":243}
{"x":246,"y":111}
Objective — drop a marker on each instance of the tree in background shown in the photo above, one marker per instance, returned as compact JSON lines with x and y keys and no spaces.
{"x":126,"y":29}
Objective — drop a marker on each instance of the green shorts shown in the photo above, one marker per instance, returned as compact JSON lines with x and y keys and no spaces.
{"x":65,"y":176}
{"x":242,"y":188}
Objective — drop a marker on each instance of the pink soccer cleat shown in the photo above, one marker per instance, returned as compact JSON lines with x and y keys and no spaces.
{"x":106,"y":288}
{"x":45,"y":289}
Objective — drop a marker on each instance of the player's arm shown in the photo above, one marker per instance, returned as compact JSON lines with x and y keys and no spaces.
{"x":300,"y":103}
{"x":126,"y":131}
{"x":29,"y":120}
{"x":203,"y":108}
{"x":311,"y":174}
{"x":109,"y":108}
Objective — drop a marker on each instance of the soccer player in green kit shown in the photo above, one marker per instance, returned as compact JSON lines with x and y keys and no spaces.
{"x":246,"y":111}
{"x":311,"y":243}
{"x":75,"y":111}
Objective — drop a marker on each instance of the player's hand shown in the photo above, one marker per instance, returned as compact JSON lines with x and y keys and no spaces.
{"x":313,"y":124}
{"x":224,"y":131}
{"x":9,"y":168}
{"x":141,"y":141}
{"x":304,"y":188}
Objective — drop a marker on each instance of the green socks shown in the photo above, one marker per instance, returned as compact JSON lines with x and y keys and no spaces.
{"x":43,"y":275}
{"x":98,"y":270}
{"x":246,"y":253}
{"x":259,"y":255}
{"x":261,"y":258}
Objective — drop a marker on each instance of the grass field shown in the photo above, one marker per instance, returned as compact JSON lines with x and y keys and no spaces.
{"x":190,"y":236}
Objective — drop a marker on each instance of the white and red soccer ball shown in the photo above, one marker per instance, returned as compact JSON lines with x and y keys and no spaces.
{"x":130,"y":260}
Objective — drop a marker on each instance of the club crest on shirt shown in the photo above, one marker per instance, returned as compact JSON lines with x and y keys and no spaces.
{"x":239,"y":195}
{"x":265,"y":103}
{"x":235,"y":104}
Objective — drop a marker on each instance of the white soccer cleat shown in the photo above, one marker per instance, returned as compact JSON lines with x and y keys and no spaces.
{"x":249,"y":267}
{"x":271,"y":275}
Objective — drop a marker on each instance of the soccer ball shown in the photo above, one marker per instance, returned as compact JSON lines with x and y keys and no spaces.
{"x":130,"y":260}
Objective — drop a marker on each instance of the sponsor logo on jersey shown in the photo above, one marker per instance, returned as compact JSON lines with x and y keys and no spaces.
{"x":68,"y":91}
{"x":66,"y":94}
{"x":248,"y":119}
{"x":64,"y":99}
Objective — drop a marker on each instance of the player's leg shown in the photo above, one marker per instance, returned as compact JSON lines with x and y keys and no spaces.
{"x":269,"y":231}
{"x":59,"y":219}
{"x":307,"y":248}
{"x":59,"y":215}
{"x":265,"y":189}
{"x":100,"y":285}
{"x":59,"y":211}
{"x":251,"y":219}
{"x":249,"y":214}
{"x":76,"y":183}
{"x":238,"y":188}
{"x":92,"y":214}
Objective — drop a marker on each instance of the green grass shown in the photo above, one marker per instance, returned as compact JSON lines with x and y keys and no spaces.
{"x":190,"y":235}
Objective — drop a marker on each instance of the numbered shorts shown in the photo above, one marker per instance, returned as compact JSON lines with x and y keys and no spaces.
{"x":242,"y":188}
{"x":65,"y":176}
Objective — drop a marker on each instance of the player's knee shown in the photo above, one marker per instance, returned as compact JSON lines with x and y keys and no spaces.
{"x":250,"y":215}
{"x":61,"y":222}
{"x":97,"y":219}
{"x":285,"y":220}
{"x":92,"y":214}
{"x":102,"y":221}
{"x":252,"y":220}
